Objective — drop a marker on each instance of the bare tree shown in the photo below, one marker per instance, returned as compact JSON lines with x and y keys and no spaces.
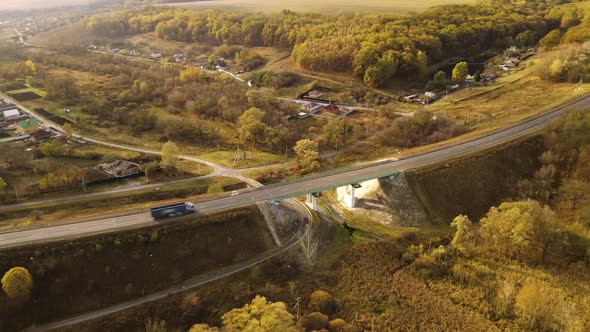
{"x":155,"y":325}
{"x":309,"y":246}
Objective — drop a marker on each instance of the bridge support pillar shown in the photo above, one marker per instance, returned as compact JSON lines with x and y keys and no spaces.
{"x":312,"y":200}
{"x":350,"y":196}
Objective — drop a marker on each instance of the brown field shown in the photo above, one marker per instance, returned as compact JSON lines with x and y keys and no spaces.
{"x":68,"y":35}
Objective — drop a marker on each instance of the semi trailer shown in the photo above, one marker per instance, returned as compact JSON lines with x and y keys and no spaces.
{"x":172,"y":210}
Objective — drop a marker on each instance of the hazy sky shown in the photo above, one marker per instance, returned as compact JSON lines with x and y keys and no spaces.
{"x":26,"y":4}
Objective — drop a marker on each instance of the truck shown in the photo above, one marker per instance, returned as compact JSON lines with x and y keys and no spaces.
{"x":172,"y":210}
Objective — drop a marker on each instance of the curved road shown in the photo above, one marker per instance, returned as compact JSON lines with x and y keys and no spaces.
{"x":192,"y":283}
{"x":303,"y":185}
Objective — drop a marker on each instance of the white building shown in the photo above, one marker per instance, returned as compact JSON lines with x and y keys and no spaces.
{"x":11,"y":114}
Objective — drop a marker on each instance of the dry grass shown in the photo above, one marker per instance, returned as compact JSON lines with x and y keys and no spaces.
{"x":69,"y":35}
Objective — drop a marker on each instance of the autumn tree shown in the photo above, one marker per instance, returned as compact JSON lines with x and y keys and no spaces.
{"x":439,"y":81}
{"x":523,"y":230}
{"x":170,"y":154}
{"x":323,"y":302}
{"x":315,"y":321}
{"x":17,"y":283}
{"x":191,"y":74}
{"x":259,"y":315}
{"x":574,"y":191}
{"x":460,"y":72}
{"x":250,"y":126}
{"x":307,"y":155}
{"x":551,"y":40}
{"x":462,"y":226}
{"x":32,"y":68}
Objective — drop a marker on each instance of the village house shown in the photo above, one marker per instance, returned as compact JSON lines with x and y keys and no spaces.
{"x":180,"y":57}
{"x":11,"y":115}
{"x":41,"y":135}
{"x":333,"y":109}
{"x":27,"y":126}
{"x":134,"y":53}
{"x":156,"y":54}
{"x":470,"y":79}
{"x":312,"y":107}
{"x":119,"y":168}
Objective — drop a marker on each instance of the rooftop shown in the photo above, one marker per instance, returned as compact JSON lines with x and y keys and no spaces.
{"x":28,"y":123}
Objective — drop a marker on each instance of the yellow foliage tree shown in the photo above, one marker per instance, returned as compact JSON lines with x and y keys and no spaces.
{"x":259,"y":315}
{"x":170,"y":152}
{"x":463,"y":226}
{"x":32,"y":67}
{"x":191,"y":74}
{"x":17,"y":283}
{"x":307,"y":155}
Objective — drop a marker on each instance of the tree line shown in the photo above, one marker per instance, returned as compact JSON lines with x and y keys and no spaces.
{"x":376,"y":47}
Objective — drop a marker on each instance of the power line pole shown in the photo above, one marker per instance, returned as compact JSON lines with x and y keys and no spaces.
{"x":296,"y":308}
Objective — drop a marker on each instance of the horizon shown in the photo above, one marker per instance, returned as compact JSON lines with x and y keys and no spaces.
{"x":10,"y":5}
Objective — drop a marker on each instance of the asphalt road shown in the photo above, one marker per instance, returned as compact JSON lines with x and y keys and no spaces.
{"x":306,"y":219}
{"x":300,"y":186}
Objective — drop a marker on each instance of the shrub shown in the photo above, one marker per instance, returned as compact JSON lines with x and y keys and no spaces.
{"x":17,"y":283}
{"x":315,"y":321}
{"x":339,"y":325}
{"x":412,"y":253}
{"x":154,"y":236}
{"x":323,"y":302}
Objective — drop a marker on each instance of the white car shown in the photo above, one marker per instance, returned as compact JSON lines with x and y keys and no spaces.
{"x":235,"y":193}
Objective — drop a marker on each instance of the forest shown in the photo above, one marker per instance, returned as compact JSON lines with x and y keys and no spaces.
{"x":375,"y":47}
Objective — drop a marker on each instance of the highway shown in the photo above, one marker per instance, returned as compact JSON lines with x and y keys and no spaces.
{"x":301,"y":186}
{"x":306,"y":220}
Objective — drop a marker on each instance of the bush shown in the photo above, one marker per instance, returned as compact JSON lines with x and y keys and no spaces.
{"x":323,"y":302}
{"x":17,"y":283}
{"x":339,"y":325}
{"x":412,"y":253}
{"x":315,"y":321}
{"x":420,"y":129}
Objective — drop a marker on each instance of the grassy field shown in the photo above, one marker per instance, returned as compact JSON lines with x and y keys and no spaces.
{"x":68,"y":35}
{"x":254,"y":158}
{"x":328,"y":6}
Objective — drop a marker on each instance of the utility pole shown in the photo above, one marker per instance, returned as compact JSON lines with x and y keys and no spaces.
{"x":83,"y":183}
{"x":296,"y":308}
{"x":16,"y":191}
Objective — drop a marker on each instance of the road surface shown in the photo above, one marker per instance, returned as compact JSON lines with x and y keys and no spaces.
{"x":303,"y":185}
{"x":307,"y":218}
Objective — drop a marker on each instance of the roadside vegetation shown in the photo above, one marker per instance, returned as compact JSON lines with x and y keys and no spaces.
{"x":61,"y":167}
{"x":114,"y":204}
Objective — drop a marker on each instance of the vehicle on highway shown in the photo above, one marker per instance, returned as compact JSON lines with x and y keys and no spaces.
{"x":235,"y":193}
{"x":172,"y":210}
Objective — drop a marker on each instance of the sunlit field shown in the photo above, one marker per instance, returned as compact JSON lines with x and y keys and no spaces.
{"x":324,"y":6}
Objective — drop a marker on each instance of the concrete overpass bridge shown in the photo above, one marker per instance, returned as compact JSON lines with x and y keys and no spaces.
{"x":310,"y":184}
